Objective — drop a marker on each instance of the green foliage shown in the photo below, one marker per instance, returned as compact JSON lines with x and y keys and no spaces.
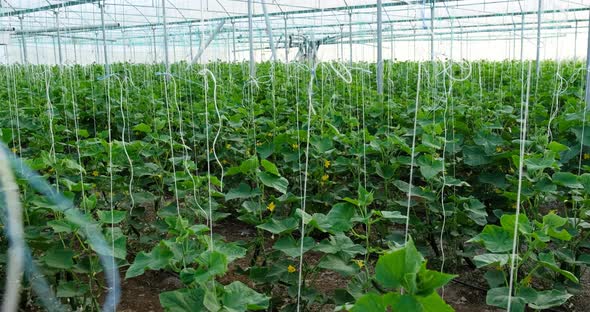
{"x":411,"y":286}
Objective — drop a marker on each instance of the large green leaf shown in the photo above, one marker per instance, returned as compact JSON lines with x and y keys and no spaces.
{"x":59,"y":258}
{"x":370,"y":302}
{"x":238,"y":297}
{"x":291,"y":247}
{"x":498,"y":297}
{"x":242,"y":191}
{"x":429,"y":281}
{"x":157,"y":259}
{"x":278,"y":183}
{"x":494,"y":238}
{"x":270,"y":167}
{"x":279,"y":226}
{"x":339,"y":219}
{"x":395,"y":269}
{"x":211,"y":264}
{"x":183,"y":300}
{"x":337,"y":264}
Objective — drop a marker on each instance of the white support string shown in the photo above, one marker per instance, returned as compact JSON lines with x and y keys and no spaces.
{"x":523,"y":132}
{"x":416,"y":107}
{"x":305,"y":178}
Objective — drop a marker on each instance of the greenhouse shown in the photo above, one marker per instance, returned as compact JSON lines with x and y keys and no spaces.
{"x":282,"y":155}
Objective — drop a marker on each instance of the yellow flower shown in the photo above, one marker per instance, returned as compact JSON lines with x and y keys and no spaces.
{"x":228,"y":146}
{"x":269,"y":134}
{"x":258,"y":143}
{"x":586,"y":156}
{"x":498,"y":149}
{"x":360,"y":263}
{"x":291,"y":269}
{"x":295,"y":146}
{"x":327,"y":164}
{"x":95,"y":173}
{"x":14,"y":150}
{"x":325,"y":177}
{"x":271,"y":207}
{"x":224,"y":162}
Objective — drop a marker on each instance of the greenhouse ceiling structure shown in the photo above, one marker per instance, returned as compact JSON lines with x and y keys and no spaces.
{"x":174,"y":30}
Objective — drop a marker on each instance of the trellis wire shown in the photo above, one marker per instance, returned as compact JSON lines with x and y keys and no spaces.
{"x":523,"y":132}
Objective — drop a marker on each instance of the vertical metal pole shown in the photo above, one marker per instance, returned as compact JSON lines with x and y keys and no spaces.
{"x":124,"y":46}
{"x":107,"y":67}
{"x":286,"y":42}
{"x":165,"y":28}
{"x":190,"y":40}
{"x":538,"y":64}
{"x":61,"y":58}
{"x":350,"y":35}
{"x":154,"y":45}
{"x":23,"y":42}
{"x":233,"y":38}
{"x":432,"y":32}
{"x":379,"y":47}
{"x":588,"y":71}
{"x":37,"y":50}
{"x":251,"y":38}
{"x":96,"y":48}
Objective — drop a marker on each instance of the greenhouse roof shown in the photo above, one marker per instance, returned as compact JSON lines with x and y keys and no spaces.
{"x":226,"y":22}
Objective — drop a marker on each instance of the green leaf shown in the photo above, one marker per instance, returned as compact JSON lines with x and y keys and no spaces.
{"x":157,"y":259}
{"x":476,"y":211}
{"x":182,"y":300}
{"x":278,"y":183}
{"x":242,"y":191}
{"x":548,"y":261}
{"x":392,"y":268}
{"x":549,"y":298}
{"x":116,"y":217}
{"x":433,"y":303}
{"x":339,"y":219}
{"x":491,"y":259}
{"x":567,"y":179}
{"x":340,"y":243}
{"x":59,"y":258}
{"x":494,"y":238}
{"x":270,"y":167}
{"x":280,"y":226}
{"x":524,"y":225}
{"x":429,"y":281}
{"x":289,"y":246}
{"x":71,"y":289}
{"x":552,"y":220}
{"x":142,"y":128}
{"x":498,"y":297}
{"x":240,"y":298}
{"x":212,"y":263}
{"x":557,"y":147}
{"x":430,"y":167}
{"x":337,"y":264}
{"x":370,"y":302}
{"x":405,"y":303}
{"x":62,"y":226}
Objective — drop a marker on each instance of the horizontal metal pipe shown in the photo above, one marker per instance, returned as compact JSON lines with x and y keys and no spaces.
{"x":67,"y":29}
{"x":46,"y":8}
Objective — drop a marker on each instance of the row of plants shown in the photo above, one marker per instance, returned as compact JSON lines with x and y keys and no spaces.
{"x":163,"y":161}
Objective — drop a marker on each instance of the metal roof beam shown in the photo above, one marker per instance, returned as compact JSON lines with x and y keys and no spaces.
{"x":47,"y":7}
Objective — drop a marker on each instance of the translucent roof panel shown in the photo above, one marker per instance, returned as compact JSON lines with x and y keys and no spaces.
{"x":134,"y":29}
